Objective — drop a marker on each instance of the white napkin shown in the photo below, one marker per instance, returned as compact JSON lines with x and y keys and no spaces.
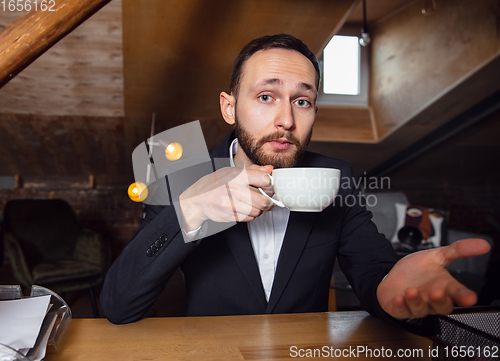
{"x":21,"y":320}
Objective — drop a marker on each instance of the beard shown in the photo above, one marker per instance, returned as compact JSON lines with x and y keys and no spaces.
{"x":277,"y":158}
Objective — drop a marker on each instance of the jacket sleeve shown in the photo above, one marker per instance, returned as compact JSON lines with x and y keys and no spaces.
{"x":140,"y":273}
{"x":366,"y":256}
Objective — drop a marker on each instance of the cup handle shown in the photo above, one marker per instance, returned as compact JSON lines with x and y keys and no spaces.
{"x":278,"y":203}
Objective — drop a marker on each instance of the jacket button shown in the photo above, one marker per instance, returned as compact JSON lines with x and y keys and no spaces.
{"x":158,"y":243}
{"x":150,"y":252}
{"x":163,"y":238}
{"x":153,"y":248}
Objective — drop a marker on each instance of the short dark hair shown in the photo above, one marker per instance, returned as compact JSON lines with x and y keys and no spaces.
{"x":283,"y":41}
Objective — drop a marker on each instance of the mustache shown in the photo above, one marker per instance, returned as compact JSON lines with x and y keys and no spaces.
{"x":279,"y":134}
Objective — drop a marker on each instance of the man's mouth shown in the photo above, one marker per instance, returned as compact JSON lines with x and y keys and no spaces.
{"x":281,"y":143}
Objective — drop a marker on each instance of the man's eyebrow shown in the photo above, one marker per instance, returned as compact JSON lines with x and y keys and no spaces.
{"x":306,"y":86}
{"x":270,"y":81}
{"x":278,"y":81}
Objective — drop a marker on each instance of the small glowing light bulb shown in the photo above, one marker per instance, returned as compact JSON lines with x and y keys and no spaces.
{"x":138,"y":192}
{"x":364,"y":40}
{"x":173,"y":151}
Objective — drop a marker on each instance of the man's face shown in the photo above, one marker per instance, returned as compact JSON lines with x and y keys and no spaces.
{"x":275,"y":108}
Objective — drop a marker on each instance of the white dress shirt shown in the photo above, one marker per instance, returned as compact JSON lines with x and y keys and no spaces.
{"x":266,"y":233}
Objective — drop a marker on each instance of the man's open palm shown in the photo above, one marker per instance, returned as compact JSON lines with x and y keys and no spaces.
{"x":419,"y":284}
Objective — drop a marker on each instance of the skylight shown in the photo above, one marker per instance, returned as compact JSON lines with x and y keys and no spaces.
{"x":341,"y":61}
{"x":345,"y":71}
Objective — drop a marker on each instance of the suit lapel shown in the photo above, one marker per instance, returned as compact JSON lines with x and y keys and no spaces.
{"x":241,"y":247}
{"x":238,"y":240}
{"x":297,"y":233}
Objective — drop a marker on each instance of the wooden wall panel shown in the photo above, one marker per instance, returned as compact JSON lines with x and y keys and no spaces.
{"x":405,"y":108}
{"x":376,"y":10}
{"x":13,"y":152}
{"x":32,"y":145}
{"x":365,"y":157}
{"x":416,"y":59}
{"x":80,"y":75}
{"x":344,"y":124}
{"x":178,"y":55}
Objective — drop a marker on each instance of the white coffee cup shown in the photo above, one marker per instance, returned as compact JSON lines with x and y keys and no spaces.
{"x":304,"y":189}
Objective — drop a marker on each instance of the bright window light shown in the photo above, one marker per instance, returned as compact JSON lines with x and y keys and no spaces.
{"x":341,"y":66}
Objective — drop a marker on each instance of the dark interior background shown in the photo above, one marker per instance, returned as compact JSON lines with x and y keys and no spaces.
{"x":69,"y":122}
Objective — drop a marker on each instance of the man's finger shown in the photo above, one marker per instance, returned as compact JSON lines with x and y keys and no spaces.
{"x":265,"y":168}
{"x":461,"y":295}
{"x":417,"y":306}
{"x":250,"y":198}
{"x":244,"y":218}
{"x":440,"y":302}
{"x":465,"y":248}
{"x":400,"y":309}
{"x":257,"y":178}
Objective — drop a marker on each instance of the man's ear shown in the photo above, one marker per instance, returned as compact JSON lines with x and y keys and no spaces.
{"x":227,"y":107}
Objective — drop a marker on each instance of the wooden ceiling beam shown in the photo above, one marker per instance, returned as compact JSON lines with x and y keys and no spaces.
{"x":33,"y":33}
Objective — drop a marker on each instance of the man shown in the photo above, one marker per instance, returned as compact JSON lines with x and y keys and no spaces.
{"x":274,"y":260}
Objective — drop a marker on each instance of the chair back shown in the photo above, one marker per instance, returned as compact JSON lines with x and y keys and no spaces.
{"x":44,"y":228}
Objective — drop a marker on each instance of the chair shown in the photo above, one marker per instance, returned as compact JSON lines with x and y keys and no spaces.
{"x":47,"y":246}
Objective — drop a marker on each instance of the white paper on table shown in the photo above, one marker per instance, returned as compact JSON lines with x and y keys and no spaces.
{"x":41,"y":346}
{"x":7,"y":354}
{"x":21,"y":321}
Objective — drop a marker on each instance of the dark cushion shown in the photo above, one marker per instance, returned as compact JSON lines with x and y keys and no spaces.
{"x":62,"y":270}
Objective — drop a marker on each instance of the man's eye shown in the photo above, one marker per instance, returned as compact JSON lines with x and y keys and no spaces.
{"x":302,"y":103}
{"x":265,"y":98}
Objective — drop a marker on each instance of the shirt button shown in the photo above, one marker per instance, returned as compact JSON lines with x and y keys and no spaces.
{"x":266,"y":256}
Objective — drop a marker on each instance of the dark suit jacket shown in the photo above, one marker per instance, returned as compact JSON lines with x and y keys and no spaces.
{"x":221,"y":273}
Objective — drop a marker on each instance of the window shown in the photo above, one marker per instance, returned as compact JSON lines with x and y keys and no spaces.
{"x":344,"y":65}
{"x":341,"y":73}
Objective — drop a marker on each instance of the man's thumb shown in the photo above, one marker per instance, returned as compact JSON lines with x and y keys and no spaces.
{"x":469,"y":247}
{"x":267,"y":168}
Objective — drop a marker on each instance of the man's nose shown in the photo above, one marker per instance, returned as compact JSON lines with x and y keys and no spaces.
{"x":285,"y":118}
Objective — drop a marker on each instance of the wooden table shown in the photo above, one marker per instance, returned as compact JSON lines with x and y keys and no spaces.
{"x":256,"y":337}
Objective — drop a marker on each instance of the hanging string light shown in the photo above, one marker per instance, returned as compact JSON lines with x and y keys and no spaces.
{"x":429,"y":7}
{"x":138,"y":191}
{"x":173,"y":151}
{"x":364,"y":40}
